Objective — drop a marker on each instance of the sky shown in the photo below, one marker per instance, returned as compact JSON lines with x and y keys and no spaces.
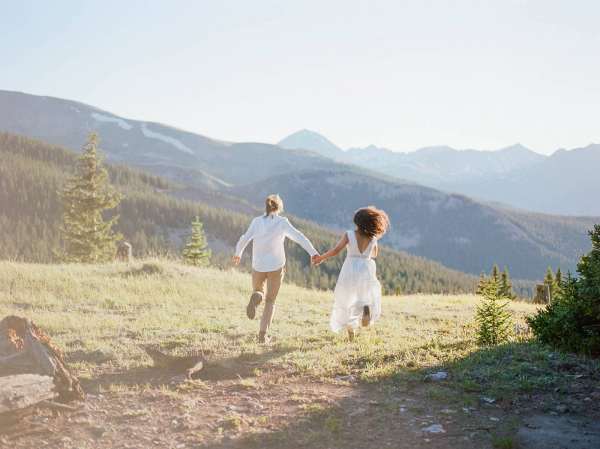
{"x":396,"y":74}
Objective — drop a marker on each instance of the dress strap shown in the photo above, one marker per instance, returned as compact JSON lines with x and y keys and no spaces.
{"x":369,"y":249}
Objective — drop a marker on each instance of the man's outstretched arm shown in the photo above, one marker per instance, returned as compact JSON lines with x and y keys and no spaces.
{"x":243,"y":242}
{"x":300,"y":239}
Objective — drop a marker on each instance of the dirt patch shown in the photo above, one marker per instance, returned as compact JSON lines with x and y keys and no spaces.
{"x":246,"y":405}
{"x":558,"y":431}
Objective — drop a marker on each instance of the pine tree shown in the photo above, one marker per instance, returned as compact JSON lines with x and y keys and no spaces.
{"x":572,"y":321}
{"x":558,"y":281}
{"x":88,"y":238}
{"x":482,"y":284}
{"x":495,"y":322}
{"x":506,"y":285}
{"x":398,"y":290}
{"x":550,"y":282}
{"x":196,"y":252}
{"x":495,"y":273}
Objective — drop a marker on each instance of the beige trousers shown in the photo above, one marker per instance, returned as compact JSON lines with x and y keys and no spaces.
{"x":273,"y":279}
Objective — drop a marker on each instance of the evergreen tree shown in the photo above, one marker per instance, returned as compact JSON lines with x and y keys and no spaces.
{"x":196,"y":252}
{"x":89,"y":239}
{"x":558,"y":281}
{"x":495,"y":322}
{"x":482,"y":284}
{"x":398,"y":290}
{"x":572,"y":321}
{"x":495,"y":273}
{"x":550,"y":282}
{"x":506,"y":285}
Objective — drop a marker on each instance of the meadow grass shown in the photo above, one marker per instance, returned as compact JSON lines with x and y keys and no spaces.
{"x":117,"y":307}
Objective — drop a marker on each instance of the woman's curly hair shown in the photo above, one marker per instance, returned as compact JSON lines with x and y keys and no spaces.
{"x":371,"y":221}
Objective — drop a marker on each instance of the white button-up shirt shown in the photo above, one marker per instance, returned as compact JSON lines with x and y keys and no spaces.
{"x":268,"y":233}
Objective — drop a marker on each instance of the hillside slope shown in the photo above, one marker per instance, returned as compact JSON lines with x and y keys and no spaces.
{"x":156,"y":216}
{"x":181,"y":156}
{"x":452,"y":229}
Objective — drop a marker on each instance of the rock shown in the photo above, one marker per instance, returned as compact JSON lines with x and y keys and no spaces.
{"x":334,"y":403}
{"x":435,"y":376}
{"x":94,"y":396}
{"x":402,"y":410}
{"x":562,"y":408}
{"x":358,"y":412}
{"x":434,"y":428}
{"x":98,"y":356}
{"x":97,"y":432}
{"x":494,"y":419}
{"x":480,"y":434}
{"x":180,"y":379}
{"x":489,"y":400}
{"x":346,"y":378}
{"x":447,"y":411}
{"x":37,"y":419}
{"x":373,"y":403}
{"x":546,"y":431}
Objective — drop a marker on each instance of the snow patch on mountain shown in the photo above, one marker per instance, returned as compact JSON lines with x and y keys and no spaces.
{"x":119,"y":121}
{"x":75,"y":109}
{"x":171,"y":140}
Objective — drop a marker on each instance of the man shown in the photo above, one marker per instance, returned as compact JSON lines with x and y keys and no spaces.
{"x":268,"y":259}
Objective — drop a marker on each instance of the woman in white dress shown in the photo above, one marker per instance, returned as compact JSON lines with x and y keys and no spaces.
{"x":357,"y":294}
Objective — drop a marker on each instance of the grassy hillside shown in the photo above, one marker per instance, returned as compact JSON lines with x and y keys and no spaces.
{"x":308,"y":388}
{"x":156,"y":216}
{"x":455,"y":230}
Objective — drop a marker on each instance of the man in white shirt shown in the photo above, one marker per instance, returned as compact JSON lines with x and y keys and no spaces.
{"x":268,"y":258}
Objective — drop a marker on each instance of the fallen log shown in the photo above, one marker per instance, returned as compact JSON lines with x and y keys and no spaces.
{"x":57,"y":406}
{"x":27,"y":350}
{"x":186,"y":364}
{"x":20,"y":393}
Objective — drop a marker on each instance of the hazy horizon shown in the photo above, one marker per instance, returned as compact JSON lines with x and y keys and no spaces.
{"x":396,"y":75}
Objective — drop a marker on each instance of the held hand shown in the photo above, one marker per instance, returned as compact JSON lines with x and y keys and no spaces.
{"x":317,"y":259}
{"x":236,"y":260}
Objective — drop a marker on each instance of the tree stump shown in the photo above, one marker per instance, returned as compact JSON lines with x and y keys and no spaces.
{"x":24,"y":349}
{"x":543,"y":295}
{"x":124,"y":252}
{"x":19,"y":394}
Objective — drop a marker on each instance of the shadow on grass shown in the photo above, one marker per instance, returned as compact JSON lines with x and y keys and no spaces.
{"x":217,"y":369}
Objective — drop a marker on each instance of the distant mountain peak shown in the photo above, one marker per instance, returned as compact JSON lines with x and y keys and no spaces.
{"x":517,"y":147}
{"x":306,"y":139}
{"x":437,"y":149}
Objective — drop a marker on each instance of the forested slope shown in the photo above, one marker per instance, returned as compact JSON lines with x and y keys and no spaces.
{"x":154,"y":220}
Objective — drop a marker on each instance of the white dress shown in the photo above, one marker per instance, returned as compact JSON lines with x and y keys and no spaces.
{"x":357,"y":286}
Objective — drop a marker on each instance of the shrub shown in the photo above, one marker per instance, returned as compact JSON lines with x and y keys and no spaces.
{"x":495,"y":322}
{"x":572,"y":321}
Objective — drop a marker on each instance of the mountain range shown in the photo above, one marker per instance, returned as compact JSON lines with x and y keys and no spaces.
{"x":563,"y":183}
{"x":460,"y":232}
